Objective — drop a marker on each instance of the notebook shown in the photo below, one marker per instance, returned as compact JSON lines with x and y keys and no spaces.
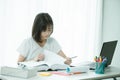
{"x":108,"y":49}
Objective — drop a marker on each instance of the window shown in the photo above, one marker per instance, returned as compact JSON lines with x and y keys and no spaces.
{"x":77,"y":26}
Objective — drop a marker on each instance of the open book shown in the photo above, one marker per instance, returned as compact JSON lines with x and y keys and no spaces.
{"x":44,"y":66}
{"x":52,"y":61}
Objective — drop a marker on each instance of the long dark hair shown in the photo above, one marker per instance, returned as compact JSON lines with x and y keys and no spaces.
{"x":41,"y":22}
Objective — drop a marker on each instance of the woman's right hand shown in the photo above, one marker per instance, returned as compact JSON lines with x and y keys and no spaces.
{"x":68,"y":60}
{"x":40,"y":57}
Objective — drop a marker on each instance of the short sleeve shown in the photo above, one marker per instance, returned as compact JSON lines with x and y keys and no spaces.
{"x":23,"y":49}
{"x":55,"y":45}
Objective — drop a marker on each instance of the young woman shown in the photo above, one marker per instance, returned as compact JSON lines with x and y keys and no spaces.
{"x":32,"y":48}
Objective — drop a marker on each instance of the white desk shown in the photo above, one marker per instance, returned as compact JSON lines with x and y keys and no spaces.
{"x":90,"y":75}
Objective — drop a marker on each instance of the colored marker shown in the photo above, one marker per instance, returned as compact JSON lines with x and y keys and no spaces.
{"x":100,"y":59}
{"x":95,"y":59}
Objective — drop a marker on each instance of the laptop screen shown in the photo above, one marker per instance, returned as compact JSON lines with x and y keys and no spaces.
{"x":108,"y":49}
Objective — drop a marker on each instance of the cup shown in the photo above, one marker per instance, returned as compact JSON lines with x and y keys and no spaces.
{"x":100,"y":68}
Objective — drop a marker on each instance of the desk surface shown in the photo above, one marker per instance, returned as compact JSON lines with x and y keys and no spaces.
{"x":110,"y":72}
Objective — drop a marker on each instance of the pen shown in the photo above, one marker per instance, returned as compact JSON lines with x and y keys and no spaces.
{"x":73,"y":57}
{"x":76,"y":73}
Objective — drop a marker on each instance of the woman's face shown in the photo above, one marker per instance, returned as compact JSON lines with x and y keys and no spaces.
{"x":45,"y":34}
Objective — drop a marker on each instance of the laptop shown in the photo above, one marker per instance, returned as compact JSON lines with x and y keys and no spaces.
{"x":108,"y":49}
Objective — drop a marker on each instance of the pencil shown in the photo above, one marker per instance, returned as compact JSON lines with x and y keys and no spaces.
{"x":75,"y":73}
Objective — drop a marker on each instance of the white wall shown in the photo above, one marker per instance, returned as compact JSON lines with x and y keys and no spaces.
{"x":111,"y":25}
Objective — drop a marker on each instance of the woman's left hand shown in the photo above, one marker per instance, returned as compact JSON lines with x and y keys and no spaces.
{"x":68,"y":60}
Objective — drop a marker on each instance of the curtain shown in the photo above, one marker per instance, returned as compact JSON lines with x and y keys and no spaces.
{"x":77,"y":26}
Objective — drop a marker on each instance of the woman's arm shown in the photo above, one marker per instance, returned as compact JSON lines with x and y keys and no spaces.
{"x":40,"y":57}
{"x":21,"y":58}
{"x":68,"y":60}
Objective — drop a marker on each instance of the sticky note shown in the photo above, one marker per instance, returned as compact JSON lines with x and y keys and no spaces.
{"x":44,"y":73}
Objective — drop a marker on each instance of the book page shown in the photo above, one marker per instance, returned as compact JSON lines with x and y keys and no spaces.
{"x":59,"y":66}
{"x":52,"y":58}
{"x":31,"y":64}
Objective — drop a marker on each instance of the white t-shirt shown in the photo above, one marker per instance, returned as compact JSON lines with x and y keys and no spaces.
{"x":30,"y":48}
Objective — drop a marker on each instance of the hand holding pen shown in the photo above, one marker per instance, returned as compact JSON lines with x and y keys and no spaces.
{"x":69,"y":60}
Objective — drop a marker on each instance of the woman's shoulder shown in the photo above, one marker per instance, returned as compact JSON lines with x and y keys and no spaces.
{"x":51,"y":39}
{"x":25,"y":42}
{"x":28,"y":40}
